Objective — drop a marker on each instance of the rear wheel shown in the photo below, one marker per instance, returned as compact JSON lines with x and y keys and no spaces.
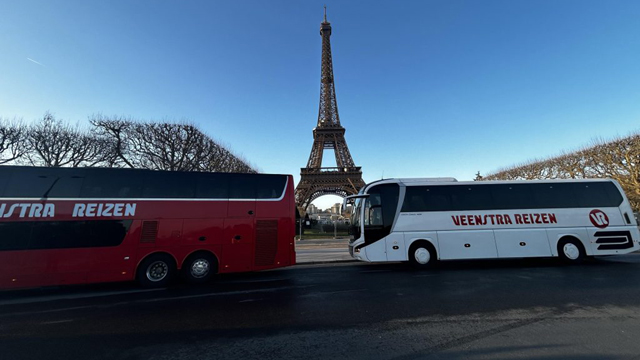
{"x":199,"y":268}
{"x":156,"y":271}
{"x":422,"y":255}
{"x":571,"y":251}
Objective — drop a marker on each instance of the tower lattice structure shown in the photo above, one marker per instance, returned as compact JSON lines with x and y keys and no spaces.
{"x":315,"y":180}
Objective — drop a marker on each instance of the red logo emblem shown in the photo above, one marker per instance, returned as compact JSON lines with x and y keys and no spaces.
{"x":599,"y":219}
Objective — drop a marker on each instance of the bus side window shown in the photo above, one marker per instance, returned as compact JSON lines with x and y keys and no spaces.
{"x":104,"y":183}
{"x":167,"y":185}
{"x":372,"y":203}
{"x":67,"y":184}
{"x":270,"y":186}
{"x":243,"y":186}
{"x":593,"y":194}
{"x":555,"y":195}
{"x":15,"y":235}
{"x":212,"y":186}
{"x":375,"y":215}
{"x":511,"y":196}
{"x":472,"y":197}
{"x":615,"y":198}
{"x":30,"y":182}
{"x":4,"y":179}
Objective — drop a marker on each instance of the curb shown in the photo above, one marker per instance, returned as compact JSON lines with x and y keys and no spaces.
{"x":321,"y":247}
{"x":326,"y":262}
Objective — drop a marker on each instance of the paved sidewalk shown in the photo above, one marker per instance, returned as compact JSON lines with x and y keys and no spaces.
{"x":319,"y":251}
{"x":312,"y":243}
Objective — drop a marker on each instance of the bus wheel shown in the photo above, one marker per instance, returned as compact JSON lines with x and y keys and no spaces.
{"x":156,"y":271}
{"x":571,"y":251}
{"x":422,"y":255}
{"x":199,"y":268}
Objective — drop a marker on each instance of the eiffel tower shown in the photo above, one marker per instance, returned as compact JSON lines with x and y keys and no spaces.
{"x":315,"y":180}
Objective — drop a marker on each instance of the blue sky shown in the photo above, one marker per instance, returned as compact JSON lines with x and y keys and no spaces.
{"x":425,"y":88}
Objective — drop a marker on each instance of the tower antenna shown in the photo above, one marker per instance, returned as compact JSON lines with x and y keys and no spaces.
{"x":325,"y":13}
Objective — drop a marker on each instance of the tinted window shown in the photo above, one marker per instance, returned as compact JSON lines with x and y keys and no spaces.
{"x":212,"y":186}
{"x":68,"y":184}
{"x":594,"y":194}
{"x":77,"y":234}
{"x":4,"y":178}
{"x":615,"y":198}
{"x":104,"y":183}
{"x":512,"y":196}
{"x":44,"y":182}
{"x":270,"y":186}
{"x":380,"y":211}
{"x":62,"y":234}
{"x":555,"y":195}
{"x":427,"y":198}
{"x":242,"y":186}
{"x":470,"y":197}
{"x":160,"y":184}
{"x":14,"y":235}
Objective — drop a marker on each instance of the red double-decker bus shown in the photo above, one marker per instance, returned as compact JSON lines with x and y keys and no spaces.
{"x":88,"y":225}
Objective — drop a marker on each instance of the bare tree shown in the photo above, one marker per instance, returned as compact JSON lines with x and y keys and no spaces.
{"x":618,"y":159}
{"x":52,"y":142}
{"x":164,"y":146}
{"x":13,"y":144}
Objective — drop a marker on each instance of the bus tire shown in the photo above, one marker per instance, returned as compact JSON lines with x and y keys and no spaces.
{"x":199,"y":268}
{"x":571,"y":250}
{"x":155,"y":271}
{"x":422,"y":255}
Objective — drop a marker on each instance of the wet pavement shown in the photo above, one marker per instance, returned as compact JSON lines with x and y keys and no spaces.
{"x":533,"y":309}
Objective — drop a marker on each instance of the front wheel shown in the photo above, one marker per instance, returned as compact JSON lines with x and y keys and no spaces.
{"x":422,"y":255}
{"x":571,"y":251}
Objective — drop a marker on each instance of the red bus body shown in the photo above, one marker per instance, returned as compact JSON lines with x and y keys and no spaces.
{"x":242,"y":234}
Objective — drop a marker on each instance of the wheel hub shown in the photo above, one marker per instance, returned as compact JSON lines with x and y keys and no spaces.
{"x":571,"y":251}
{"x":157,"y":271}
{"x":422,"y":256}
{"x":200,"y":268}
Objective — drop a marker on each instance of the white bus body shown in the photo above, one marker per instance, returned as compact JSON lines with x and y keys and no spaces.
{"x":421,"y":220}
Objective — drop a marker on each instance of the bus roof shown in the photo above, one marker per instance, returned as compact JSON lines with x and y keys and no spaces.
{"x":426,"y":181}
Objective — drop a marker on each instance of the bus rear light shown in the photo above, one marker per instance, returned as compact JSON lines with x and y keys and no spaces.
{"x":124,"y":273}
{"x":14,"y":280}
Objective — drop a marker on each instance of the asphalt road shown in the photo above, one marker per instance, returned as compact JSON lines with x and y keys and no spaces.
{"x":536,"y":309}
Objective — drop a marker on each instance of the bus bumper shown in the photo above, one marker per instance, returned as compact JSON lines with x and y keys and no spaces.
{"x":357,"y":250}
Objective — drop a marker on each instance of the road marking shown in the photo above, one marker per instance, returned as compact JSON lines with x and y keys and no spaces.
{"x":104,"y":306}
{"x":215,"y":294}
{"x":253,"y":281}
{"x":56,"y":322}
{"x":322,"y":293}
{"x":72,"y":297}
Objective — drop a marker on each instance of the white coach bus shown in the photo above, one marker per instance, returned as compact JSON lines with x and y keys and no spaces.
{"x":425,"y":220}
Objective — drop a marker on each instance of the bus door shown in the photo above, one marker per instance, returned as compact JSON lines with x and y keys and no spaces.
{"x":273,"y":235}
{"x":239,"y":225}
{"x":379,"y":212}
